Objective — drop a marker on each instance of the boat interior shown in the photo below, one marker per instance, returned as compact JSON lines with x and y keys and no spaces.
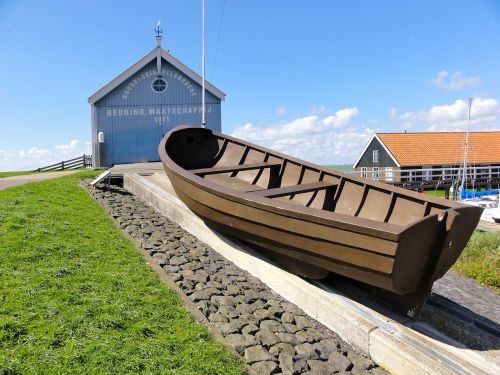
{"x":265,"y":174}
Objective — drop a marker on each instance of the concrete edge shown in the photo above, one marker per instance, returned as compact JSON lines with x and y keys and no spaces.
{"x":392,"y":345}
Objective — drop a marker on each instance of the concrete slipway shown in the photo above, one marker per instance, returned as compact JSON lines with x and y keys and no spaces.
{"x":392,"y":341}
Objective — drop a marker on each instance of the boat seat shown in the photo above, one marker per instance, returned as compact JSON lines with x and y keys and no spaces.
{"x":295,"y":189}
{"x":232,"y":182}
{"x":234,"y":168}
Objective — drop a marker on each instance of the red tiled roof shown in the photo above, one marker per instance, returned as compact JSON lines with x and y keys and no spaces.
{"x":442,"y":147}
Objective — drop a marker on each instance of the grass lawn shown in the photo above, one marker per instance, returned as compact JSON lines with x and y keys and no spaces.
{"x":22,"y":173}
{"x":435,"y":193}
{"x":76,"y":297}
{"x":480,"y":260}
{"x":16,"y":173}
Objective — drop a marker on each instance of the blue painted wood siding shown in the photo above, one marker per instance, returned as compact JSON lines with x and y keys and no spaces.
{"x":134,"y":118}
{"x":384,"y":159}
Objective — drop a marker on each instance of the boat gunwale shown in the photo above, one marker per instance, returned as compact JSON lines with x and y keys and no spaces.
{"x":342,"y":221}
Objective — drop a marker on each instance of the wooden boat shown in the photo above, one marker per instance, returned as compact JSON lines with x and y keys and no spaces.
{"x":314,"y":220}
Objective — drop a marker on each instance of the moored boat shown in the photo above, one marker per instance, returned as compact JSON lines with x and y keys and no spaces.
{"x":314,"y":220}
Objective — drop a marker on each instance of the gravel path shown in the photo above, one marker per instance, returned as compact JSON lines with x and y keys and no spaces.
{"x":7,"y":182}
{"x":271,"y":334}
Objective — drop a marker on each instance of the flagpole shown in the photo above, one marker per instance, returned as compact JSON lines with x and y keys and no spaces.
{"x":203,"y":120}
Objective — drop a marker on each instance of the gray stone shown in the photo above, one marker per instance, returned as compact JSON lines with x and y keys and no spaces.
{"x":339,"y":362}
{"x":325,"y":348}
{"x":218,"y":318}
{"x":192,"y":266}
{"x":319,"y":367}
{"x":360,"y":361}
{"x":302,"y":336}
{"x":228,"y":328}
{"x":187,"y":286}
{"x":250,"y":329}
{"x":267,"y":337}
{"x":171,"y":269}
{"x":215,"y":284}
{"x":198,"y":277}
{"x":177,"y":261}
{"x":282,"y":347}
{"x":206,"y":307}
{"x":306,"y":351}
{"x":249,"y":318}
{"x":176,"y":276}
{"x":292,"y":328}
{"x":160,"y":258}
{"x":262,"y":314}
{"x":233,"y":289}
{"x":302,"y":322}
{"x":228,"y":311}
{"x":300,"y":366}
{"x":272,"y":326}
{"x":241,"y":342}
{"x":287,"y":318}
{"x":265,"y":367}
{"x":286,"y":363}
{"x":251,"y":295}
{"x":257,"y":354}
{"x":288,"y":338}
{"x":204,"y":294}
{"x":223,"y":300}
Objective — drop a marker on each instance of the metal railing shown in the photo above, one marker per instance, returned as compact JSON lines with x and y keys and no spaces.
{"x":447,"y":174}
{"x":84,"y":161}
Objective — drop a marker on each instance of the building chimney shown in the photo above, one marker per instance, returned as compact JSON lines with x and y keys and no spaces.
{"x":158,"y":33}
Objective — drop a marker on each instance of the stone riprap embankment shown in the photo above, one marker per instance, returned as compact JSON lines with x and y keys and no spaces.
{"x":272,"y":335}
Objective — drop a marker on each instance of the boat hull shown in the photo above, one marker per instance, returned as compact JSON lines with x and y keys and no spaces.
{"x":401,"y":259}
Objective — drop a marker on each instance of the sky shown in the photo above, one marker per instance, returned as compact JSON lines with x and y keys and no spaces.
{"x":310,"y":78}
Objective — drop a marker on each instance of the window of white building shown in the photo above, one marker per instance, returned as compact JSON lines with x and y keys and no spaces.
{"x":389,"y":174}
{"x":363,"y":172}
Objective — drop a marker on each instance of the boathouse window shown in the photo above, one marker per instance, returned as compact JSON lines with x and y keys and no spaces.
{"x":375,"y":173}
{"x":389,"y":174}
{"x":159,"y":85}
{"x":375,"y":156}
{"x":363,"y":172}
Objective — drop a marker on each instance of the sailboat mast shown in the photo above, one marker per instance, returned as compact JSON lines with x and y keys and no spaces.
{"x":466,"y":149}
{"x":203,"y":120}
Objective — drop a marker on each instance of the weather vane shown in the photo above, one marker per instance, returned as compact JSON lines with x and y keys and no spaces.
{"x":158,"y":31}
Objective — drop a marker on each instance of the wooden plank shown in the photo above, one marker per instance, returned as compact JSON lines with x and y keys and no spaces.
{"x":295,"y":189}
{"x":234,"y":168}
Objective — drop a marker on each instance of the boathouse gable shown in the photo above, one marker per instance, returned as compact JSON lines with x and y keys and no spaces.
{"x":132,"y":113}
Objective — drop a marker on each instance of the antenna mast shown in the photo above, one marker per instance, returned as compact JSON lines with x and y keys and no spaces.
{"x":203,"y":120}
{"x":466,"y":149}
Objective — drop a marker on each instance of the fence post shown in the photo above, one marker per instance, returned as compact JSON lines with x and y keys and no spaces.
{"x":62,"y":165}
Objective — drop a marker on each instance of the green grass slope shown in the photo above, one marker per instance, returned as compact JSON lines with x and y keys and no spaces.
{"x":76,"y":297}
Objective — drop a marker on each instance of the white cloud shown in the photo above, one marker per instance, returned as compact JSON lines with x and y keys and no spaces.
{"x":36,"y":157}
{"x":324,"y":140}
{"x":281,"y":110}
{"x":454,"y":81}
{"x":485,"y":115}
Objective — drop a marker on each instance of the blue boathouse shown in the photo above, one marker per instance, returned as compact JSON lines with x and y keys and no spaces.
{"x":136,"y":109}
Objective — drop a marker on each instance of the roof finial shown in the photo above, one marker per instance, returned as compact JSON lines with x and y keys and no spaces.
{"x":158,"y":33}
